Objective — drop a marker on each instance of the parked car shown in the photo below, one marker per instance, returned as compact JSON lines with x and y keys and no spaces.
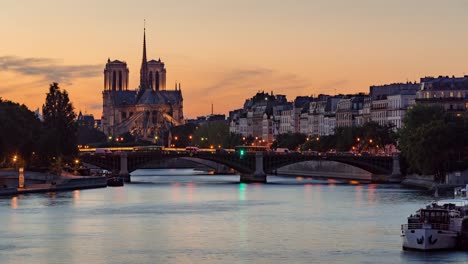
{"x":282,"y":150}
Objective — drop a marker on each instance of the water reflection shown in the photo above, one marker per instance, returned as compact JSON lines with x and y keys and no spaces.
{"x":242,"y":188}
{"x":208,"y":219}
{"x":14,"y":202}
{"x":175,"y":192}
{"x":76,"y":197}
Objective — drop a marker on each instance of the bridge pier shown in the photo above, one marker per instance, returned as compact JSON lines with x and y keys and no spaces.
{"x":124,"y":167}
{"x":259,"y":175}
{"x":396,"y":170}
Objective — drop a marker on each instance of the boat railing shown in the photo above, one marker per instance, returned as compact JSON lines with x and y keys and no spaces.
{"x":420,"y":226}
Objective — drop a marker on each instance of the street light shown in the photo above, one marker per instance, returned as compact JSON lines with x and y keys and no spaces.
{"x":15,"y":159}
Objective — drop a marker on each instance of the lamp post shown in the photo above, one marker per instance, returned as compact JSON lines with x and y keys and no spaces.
{"x":77,"y":162}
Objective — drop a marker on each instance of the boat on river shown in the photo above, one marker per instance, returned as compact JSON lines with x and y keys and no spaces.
{"x":115,"y":181}
{"x":441,"y":225}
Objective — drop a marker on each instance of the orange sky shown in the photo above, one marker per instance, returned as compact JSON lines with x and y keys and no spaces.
{"x":225,"y":51}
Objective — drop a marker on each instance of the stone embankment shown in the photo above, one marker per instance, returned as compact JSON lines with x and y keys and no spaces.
{"x":44,"y":182}
{"x":419,"y":181}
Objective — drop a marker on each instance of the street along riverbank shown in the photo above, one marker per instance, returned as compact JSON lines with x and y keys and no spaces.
{"x":35,"y":182}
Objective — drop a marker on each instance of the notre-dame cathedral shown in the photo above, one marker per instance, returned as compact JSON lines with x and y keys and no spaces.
{"x":147,"y":112}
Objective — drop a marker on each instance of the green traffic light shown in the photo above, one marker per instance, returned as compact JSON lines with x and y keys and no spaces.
{"x":242,"y":152}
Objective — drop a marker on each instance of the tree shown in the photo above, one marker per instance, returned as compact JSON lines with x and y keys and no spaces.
{"x":87,"y":135}
{"x":211,"y":134}
{"x":232,"y":140}
{"x":290,"y":140}
{"x":182,"y":136}
{"x":60,"y":135}
{"x":431,"y":139}
{"x":19,"y":134}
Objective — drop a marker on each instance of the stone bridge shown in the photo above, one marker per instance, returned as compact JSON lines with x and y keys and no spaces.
{"x":252,"y":167}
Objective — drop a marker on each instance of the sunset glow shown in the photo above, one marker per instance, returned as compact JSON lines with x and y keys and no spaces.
{"x":225,"y":51}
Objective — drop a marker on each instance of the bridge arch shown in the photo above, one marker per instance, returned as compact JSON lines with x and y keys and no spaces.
{"x":245,"y":165}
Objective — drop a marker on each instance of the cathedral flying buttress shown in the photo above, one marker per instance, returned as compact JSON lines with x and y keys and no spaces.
{"x":147,"y":112}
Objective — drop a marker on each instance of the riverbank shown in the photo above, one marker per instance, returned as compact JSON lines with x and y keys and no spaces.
{"x":419,"y":181}
{"x":36,"y":182}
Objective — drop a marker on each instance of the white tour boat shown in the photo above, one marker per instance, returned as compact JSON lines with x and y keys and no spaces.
{"x":440,"y":225}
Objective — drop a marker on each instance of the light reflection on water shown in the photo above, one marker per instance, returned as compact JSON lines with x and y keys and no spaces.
{"x":170,"y":216}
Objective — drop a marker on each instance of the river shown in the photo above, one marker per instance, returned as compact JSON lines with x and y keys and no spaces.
{"x":177,"y":216}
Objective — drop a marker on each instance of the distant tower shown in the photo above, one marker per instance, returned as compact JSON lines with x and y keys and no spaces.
{"x":144,"y":66}
{"x":157,"y":75}
{"x":115,"y":76}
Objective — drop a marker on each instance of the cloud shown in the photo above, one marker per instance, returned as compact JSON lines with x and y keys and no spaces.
{"x":49,"y":70}
{"x":331,"y":86}
{"x":94,"y":107}
{"x":233,"y":81}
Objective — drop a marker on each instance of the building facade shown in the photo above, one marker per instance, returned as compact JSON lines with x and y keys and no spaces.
{"x":147,"y":112}
{"x":451,"y":93}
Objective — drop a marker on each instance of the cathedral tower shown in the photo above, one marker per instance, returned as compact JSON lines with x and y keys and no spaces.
{"x":144,"y":66}
{"x":157,"y":75}
{"x":115,"y":76}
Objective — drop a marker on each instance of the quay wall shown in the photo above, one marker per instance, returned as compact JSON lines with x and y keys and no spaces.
{"x":326,"y":169}
{"x":63,"y":183}
{"x":419,"y":181}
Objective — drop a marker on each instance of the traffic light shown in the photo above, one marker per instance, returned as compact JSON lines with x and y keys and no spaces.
{"x":242,"y":153}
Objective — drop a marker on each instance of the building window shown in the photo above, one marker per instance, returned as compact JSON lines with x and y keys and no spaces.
{"x":114,"y":80}
{"x":151,"y":80}
{"x":157,"y":80}
{"x":120,"y":80}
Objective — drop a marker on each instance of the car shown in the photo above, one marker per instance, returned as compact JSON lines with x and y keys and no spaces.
{"x":282,"y":150}
{"x":221,"y":151}
{"x":191,"y":149}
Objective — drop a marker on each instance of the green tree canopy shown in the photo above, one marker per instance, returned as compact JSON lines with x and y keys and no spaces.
{"x":211,"y":134}
{"x":60,"y":135}
{"x":87,"y":135}
{"x":431,"y":139}
{"x":290,"y":140}
{"x":20,"y":132}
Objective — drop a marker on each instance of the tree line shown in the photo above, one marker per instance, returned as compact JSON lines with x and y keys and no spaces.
{"x":27,"y":141}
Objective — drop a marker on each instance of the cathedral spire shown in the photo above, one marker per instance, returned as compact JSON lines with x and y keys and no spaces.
{"x":144,"y":64}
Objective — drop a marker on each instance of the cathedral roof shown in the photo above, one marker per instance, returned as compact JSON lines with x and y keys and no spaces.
{"x":150,"y":97}
{"x":122,"y":98}
{"x":155,"y":61}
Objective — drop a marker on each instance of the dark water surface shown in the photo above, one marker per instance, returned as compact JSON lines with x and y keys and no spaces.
{"x":172,"y":216}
